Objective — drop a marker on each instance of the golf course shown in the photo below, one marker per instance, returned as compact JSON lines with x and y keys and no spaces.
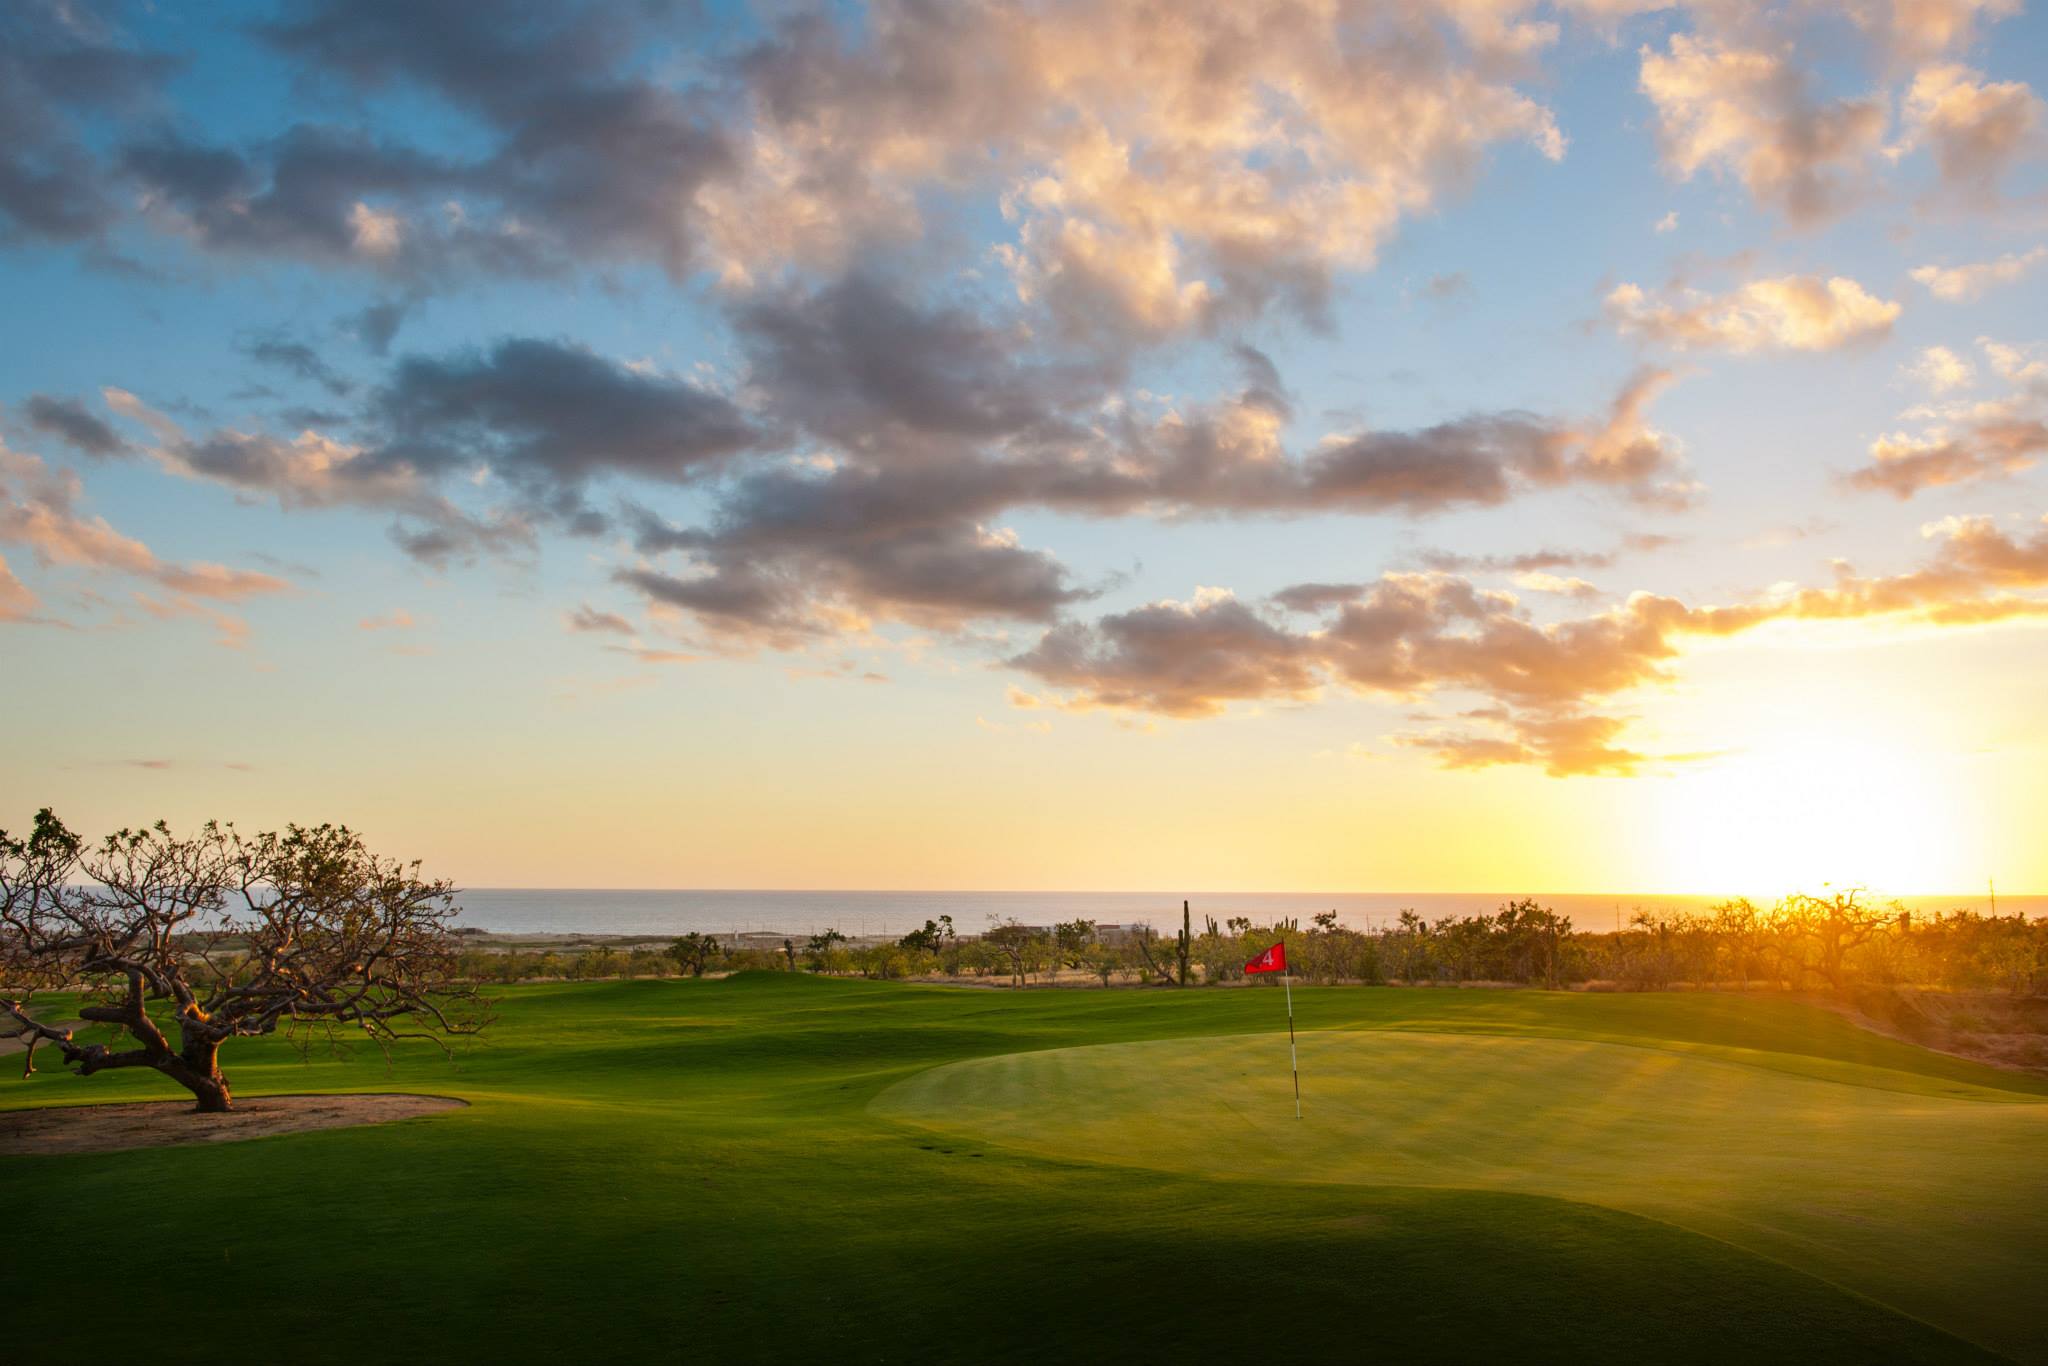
{"x":776,"y":1167}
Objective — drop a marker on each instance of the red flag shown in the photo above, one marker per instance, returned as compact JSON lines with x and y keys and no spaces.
{"x":1272,"y":960}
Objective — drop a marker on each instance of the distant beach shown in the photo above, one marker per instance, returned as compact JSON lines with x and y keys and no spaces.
{"x":636,"y":913}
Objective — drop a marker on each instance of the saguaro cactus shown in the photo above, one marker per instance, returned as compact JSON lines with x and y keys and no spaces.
{"x":1185,"y":943}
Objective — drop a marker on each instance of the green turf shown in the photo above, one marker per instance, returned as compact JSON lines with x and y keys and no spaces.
{"x":721,"y":1171}
{"x":1926,"y":1202}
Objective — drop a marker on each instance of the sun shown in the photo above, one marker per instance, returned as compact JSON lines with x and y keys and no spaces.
{"x":1803,"y":810}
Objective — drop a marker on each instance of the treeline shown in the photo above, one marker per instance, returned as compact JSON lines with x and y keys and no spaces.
{"x":1834,"y":943}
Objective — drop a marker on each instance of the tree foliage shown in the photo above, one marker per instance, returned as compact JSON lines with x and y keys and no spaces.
{"x":695,"y":952}
{"x":219,"y":935}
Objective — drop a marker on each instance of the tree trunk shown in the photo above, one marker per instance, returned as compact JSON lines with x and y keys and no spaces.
{"x":196,"y":1067}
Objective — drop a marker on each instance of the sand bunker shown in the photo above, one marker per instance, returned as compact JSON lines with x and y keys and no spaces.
{"x":165,"y":1123}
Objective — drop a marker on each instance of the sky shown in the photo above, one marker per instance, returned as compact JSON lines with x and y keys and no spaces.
{"x":1296,"y":445}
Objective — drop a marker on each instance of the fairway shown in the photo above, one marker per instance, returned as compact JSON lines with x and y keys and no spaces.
{"x":776,"y":1167}
{"x":1925,"y":1196}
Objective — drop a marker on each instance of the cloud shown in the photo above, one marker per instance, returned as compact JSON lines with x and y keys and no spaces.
{"x":544,"y":418}
{"x":72,"y":423}
{"x":376,"y":325}
{"x":1942,"y":370}
{"x":300,"y":194}
{"x":588,"y":618}
{"x":1977,"y":130}
{"x":798,"y":551}
{"x":38,"y":510}
{"x":400,"y":620}
{"x":1444,"y":288}
{"x":1564,"y":586}
{"x":764,"y":583}
{"x":1977,"y":574}
{"x":888,"y":382}
{"x":1247,"y":173}
{"x":1563,"y":746}
{"x":547,"y":416}
{"x":1788,"y":313}
{"x":1531,"y":561}
{"x":1229,"y":459}
{"x":450,"y":535}
{"x":570,"y":156}
{"x":299,"y":359}
{"x":587,"y":158}
{"x":1316,"y":597}
{"x":861,"y":363}
{"x":1961,"y":284}
{"x":233,"y":632}
{"x":1547,"y":686}
{"x":1963,"y":442}
{"x":1174,"y":659}
{"x":1753,"y":113}
{"x":2024,"y":368}
{"x":61,"y":64}
{"x":1404,"y":636}
{"x":17,"y":603}
{"x":1916,"y":30}
{"x":1904,"y":466}
{"x":309,"y":470}
{"x":1248,"y":170}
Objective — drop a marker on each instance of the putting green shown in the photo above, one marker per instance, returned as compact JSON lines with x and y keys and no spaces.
{"x":1926,"y":1196}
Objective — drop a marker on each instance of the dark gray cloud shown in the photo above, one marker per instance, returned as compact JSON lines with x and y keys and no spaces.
{"x":735,"y":600}
{"x":297,"y":358}
{"x":902,"y":431}
{"x":600,"y":160}
{"x":447,"y":536}
{"x":71,"y":422}
{"x":314,"y":191}
{"x":301,"y":417}
{"x":1176,"y":659}
{"x":583,"y":159}
{"x":547,"y":416}
{"x":941,"y":575}
{"x":864,"y":364}
{"x":493,"y":65}
{"x":937,"y":431}
{"x":532,"y":422}
{"x":376,"y":325}
{"x":63,"y":66}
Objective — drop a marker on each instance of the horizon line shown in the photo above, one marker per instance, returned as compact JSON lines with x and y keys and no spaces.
{"x":1979,"y":895}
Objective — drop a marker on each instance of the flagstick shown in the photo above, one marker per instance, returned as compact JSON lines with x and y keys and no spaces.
{"x":1287,"y":980}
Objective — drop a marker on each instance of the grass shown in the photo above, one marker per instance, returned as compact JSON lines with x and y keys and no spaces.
{"x":768,"y":1168}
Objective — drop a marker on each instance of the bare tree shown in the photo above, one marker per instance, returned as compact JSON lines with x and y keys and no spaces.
{"x":1834,"y":926}
{"x":218,"y":936}
{"x":1018,"y":945}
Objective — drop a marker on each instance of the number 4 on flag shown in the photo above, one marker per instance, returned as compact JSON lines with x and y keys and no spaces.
{"x":1272,"y":960}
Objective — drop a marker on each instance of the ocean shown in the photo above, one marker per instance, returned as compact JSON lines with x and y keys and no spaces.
{"x":535,"y":910}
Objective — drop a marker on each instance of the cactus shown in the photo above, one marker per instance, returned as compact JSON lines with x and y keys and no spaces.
{"x":1185,"y":943}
